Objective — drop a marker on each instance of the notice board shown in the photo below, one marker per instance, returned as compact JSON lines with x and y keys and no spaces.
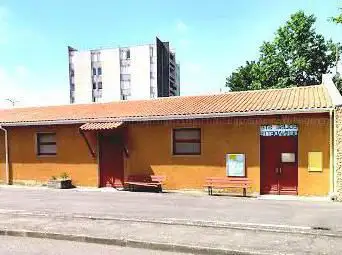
{"x":235,"y":165}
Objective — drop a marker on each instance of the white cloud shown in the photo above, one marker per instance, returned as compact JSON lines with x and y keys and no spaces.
{"x":181,"y":27}
{"x":29,"y":89}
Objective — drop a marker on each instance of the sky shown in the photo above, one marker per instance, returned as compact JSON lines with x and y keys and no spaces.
{"x":211,"y":38}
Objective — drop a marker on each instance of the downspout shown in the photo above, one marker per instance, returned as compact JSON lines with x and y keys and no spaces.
{"x":6,"y":152}
{"x":335,"y":153}
{"x":332,"y":151}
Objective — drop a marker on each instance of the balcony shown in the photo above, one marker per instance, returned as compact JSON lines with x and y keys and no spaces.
{"x":125,"y":62}
{"x":97,"y":93}
{"x":172,"y":64}
{"x":126,"y":91}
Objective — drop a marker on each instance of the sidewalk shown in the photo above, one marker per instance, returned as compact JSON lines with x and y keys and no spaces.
{"x":172,"y":221}
{"x":177,"y":238}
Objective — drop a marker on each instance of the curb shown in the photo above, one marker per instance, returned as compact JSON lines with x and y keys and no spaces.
{"x":303,"y":230}
{"x":126,"y":243}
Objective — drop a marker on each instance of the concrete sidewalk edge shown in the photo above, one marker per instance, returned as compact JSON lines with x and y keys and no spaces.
{"x":171,"y":247}
{"x":303,"y":230}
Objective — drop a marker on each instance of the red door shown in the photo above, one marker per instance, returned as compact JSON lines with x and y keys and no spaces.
{"x":111,"y":160}
{"x":279,"y":167}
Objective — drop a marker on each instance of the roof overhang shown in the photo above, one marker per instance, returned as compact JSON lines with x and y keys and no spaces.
{"x":165,"y":118}
{"x":95,"y":126}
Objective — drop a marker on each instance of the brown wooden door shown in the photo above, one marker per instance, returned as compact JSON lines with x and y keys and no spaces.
{"x":278,"y":177}
{"x":111,"y":160}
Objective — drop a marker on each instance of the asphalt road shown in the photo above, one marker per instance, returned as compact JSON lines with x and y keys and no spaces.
{"x":31,"y":246}
{"x":172,"y":206}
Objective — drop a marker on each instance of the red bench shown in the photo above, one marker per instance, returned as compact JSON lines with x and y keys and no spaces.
{"x":227,"y":182}
{"x":153,"y":181}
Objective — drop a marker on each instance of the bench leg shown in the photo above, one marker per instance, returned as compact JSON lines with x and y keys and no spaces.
{"x":244,"y":192}
{"x":159,"y":189}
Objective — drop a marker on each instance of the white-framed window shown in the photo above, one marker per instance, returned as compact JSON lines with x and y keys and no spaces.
{"x":186,"y":141}
{"x":46,"y":144}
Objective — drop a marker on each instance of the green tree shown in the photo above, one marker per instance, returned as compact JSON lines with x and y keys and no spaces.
{"x":338,"y":18}
{"x":338,"y":79}
{"x":297,"y":56}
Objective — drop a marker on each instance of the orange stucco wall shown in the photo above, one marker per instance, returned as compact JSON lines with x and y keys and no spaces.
{"x":150,"y":147}
{"x":73,"y":156}
{"x":150,"y":152}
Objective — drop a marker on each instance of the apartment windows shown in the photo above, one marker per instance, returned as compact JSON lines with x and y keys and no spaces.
{"x":125,"y":54}
{"x":95,"y":56}
{"x":152,"y":91}
{"x":46,"y":144}
{"x":125,"y":84}
{"x":151,"y":52}
{"x":94,"y":71}
{"x":99,"y":71}
{"x":97,"y":93}
{"x":187,"y":141}
{"x":124,"y":69}
{"x":125,"y":77}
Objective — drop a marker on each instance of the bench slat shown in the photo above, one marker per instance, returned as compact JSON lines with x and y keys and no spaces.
{"x":227,"y":182}
{"x":145,"y":181}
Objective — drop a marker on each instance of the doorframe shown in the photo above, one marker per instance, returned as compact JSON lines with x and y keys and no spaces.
{"x":297,"y":161}
{"x":100,"y":137}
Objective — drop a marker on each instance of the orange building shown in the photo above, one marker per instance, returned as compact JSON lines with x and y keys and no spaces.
{"x":281,"y":139}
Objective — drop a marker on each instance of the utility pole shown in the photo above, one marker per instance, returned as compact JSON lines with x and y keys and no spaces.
{"x":13,"y":101}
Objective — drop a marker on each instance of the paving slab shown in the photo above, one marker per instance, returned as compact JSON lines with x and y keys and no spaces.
{"x":172,"y":206}
{"x":10,"y":245}
{"x":172,"y":236}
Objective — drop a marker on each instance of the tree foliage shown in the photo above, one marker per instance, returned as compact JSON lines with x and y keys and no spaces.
{"x":297,"y":56}
{"x":338,"y":79}
{"x":338,"y":18}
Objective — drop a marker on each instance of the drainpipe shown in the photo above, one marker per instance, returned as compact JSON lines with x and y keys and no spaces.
{"x":332,"y":152}
{"x":6,"y":151}
{"x":335,"y":153}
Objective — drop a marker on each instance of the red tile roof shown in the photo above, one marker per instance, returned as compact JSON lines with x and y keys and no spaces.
{"x":289,"y":100}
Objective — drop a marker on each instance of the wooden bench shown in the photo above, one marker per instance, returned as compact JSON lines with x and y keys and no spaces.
{"x":153,"y":181}
{"x":227,"y":182}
